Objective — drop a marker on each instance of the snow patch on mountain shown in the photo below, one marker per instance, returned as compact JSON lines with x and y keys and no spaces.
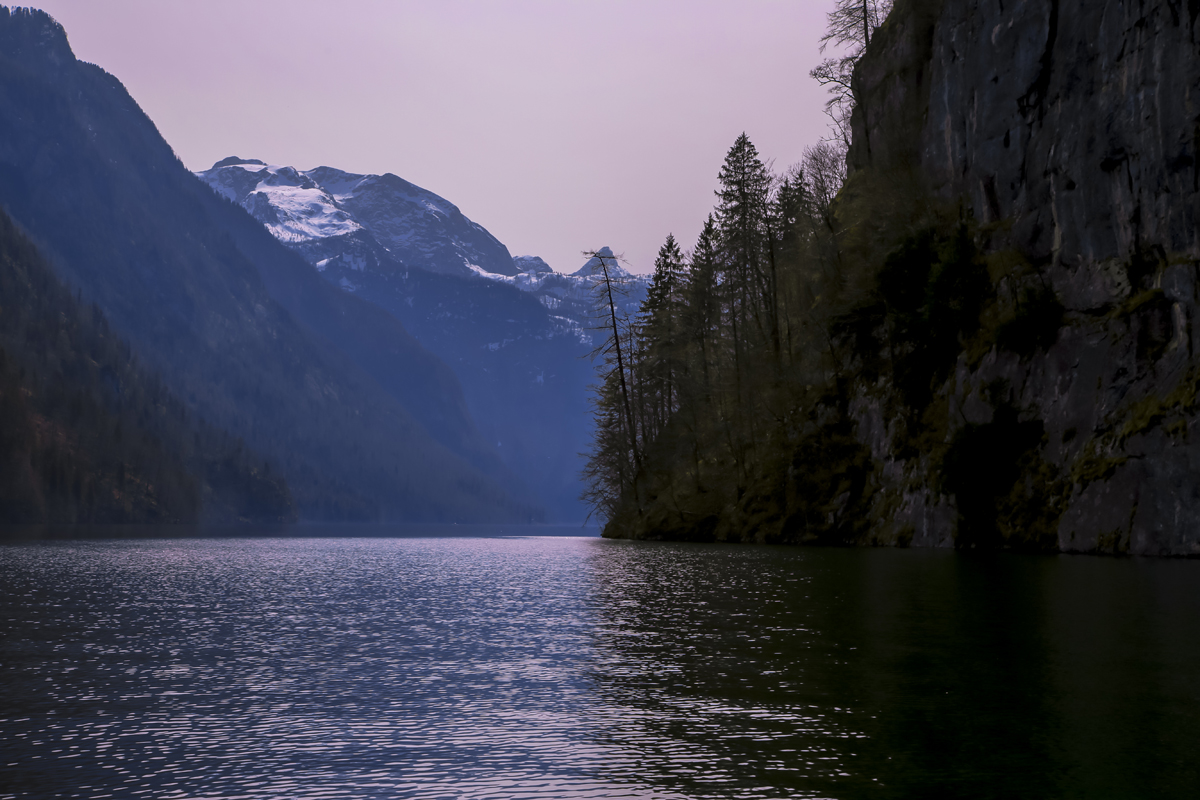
{"x":292,"y":206}
{"x":480,"y":272}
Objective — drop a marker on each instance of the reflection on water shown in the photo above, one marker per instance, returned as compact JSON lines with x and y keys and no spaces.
{"x":565,"y":667}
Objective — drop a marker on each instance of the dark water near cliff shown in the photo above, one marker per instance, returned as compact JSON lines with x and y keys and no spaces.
{"x":460,"y":667}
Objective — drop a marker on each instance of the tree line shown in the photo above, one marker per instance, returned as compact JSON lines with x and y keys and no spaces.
{"x":702,"y":381}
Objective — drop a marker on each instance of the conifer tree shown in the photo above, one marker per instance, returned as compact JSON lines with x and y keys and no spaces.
{"x":660,"y":325}
{"x":791,"y":212}
{"x":608,"y":473}
{"x":702,"y":316}
{"x":742,"y":215}
{"x":701,"y":323}
{"x":742,"y":235}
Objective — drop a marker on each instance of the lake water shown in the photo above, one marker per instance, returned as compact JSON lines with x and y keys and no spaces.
{"x":552,"y":667}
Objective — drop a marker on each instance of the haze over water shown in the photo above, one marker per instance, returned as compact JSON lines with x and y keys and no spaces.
{"x":550,"y":667}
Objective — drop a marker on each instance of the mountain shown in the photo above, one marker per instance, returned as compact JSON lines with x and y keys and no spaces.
{"x":363,"y":422}
{"x":412,"y":225}
{"x":515,"y":332}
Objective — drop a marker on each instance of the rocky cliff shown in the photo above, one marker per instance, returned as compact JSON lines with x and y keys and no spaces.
{"x":1066,"y":133}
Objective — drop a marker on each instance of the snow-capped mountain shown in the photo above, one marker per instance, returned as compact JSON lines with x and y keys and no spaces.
{"x":515,"y":332}
{"x":326,"y":209}
{"x":359,"y":229}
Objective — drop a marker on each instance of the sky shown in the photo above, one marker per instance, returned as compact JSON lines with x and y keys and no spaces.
{"x":559,"y":126}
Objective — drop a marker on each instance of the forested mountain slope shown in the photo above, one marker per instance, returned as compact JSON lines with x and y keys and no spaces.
{"x":361,"y":420}
{"x":988,"y":341}
{"x":87,"y":435}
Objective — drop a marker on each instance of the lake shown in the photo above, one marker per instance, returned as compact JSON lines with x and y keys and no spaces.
{"x":496,"y":665}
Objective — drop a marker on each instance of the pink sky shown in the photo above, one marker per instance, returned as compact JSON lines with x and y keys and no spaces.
{"x":559,"y":126}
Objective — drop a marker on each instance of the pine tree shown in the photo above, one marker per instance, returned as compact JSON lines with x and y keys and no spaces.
{"x":701,"y":329}
{"x":743,"y":237}
{"x":791,"y":212}
{"x":660,"y":328}
{"x":742,"y":216}
{"x":702,"y":316}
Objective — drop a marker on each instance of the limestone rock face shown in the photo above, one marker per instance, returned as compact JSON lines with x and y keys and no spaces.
{"x":1070,"y":131}
{"x":1079,"y":121}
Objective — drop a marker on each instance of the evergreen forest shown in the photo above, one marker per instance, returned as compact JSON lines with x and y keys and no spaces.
{"x":727,"y":377}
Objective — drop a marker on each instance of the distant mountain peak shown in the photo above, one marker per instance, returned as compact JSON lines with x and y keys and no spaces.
{"x":592,"y":267}
{"x":531,"y":265}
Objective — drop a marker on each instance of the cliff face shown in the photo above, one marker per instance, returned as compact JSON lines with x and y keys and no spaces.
{"x":1076,"y":120}
{"x":1068,"y":132}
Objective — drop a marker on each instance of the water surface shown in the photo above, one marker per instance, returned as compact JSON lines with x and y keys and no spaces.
{"x":548,"y":667}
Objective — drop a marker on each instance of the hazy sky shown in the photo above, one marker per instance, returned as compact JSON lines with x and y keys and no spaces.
{"x":559,"y":126}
